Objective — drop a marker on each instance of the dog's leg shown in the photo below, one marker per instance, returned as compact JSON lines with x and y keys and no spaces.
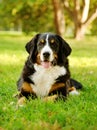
{"x":73,"y":87}
{"x":25,"y":91}
{"x":73,"y":91}
{"x":50,"y":98}
{"x":21,"y":102}
{"x":60,"y":89}
{"x":56,"y":86}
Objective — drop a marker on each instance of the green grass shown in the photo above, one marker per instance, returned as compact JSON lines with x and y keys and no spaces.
{"x":77,"y":113}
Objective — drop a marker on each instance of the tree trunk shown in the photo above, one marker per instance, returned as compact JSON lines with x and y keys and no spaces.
{"x":80,"y":26}
{"x":79,"y":23}
{"x":59,"y":20}
{"x":80,"y":31}
{"x":80,"y":16}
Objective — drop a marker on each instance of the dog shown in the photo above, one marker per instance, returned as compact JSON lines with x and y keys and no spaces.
{"x":46,"y":71}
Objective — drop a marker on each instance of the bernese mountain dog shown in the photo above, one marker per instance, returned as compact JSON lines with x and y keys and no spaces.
{"x":46,"y":70}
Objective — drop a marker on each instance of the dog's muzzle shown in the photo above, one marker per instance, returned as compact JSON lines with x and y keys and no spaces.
{"x":46,"y":56}
{"x":46,"y":63}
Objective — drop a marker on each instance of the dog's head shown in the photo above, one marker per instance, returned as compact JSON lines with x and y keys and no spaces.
{"x":48,"y":49}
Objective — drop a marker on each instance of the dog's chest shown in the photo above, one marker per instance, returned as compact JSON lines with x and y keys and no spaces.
{"x":44,"y":79}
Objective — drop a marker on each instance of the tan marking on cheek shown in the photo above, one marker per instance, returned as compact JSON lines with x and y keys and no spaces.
{"x":27,"y":88}
{"x":38,"y":59}
{"x":55,"y":56}
{"x":56,"y":86}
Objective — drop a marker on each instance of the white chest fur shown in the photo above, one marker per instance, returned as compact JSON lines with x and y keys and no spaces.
{"x":45,"y":78}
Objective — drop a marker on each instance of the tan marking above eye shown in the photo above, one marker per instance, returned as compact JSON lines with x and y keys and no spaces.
{"x":42,"y":40}
{"x":52,"y":41}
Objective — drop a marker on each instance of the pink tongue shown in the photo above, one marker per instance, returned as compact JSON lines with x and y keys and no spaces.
{"x":46,"y":64}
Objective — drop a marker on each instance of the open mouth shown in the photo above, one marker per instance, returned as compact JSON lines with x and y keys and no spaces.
{"x":46,"y":64}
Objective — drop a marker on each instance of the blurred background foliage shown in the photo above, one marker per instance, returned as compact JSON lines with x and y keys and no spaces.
{"x":26,"y":15}
{"x":39,"y":16}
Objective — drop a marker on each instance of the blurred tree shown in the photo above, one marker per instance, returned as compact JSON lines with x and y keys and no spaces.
{"x":8,"y":10}
{"x":82,"y":13}
{"x":37,"y":15}
{"x":94,"y":27}
{"x":26,"y":15}
{"x":59,"y":17}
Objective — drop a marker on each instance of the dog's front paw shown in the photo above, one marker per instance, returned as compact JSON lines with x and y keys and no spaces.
{"x":50,"y":98}
{"x":21,"y":102}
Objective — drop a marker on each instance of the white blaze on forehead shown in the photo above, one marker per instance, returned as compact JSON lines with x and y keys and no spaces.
{"x":47,"y":39}
{"x":48,"y":49}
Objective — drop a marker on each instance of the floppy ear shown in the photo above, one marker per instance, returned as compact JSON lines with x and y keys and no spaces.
{"x":31,"y":47}
{"x":65,"y":48}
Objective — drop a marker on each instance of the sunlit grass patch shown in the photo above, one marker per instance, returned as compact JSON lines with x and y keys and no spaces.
{"x":83,"y":62}
{"x":14,"y":59}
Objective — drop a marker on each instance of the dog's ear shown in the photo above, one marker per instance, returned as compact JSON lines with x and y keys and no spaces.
{"x":30,"y":46}
{"x":65,"y":48}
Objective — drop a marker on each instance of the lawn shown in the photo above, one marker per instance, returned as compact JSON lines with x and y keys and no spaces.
{"x":76,"y":113}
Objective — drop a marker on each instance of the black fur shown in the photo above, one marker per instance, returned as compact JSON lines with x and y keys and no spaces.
{"x":62,"y":49}
{"x":76,"y":84}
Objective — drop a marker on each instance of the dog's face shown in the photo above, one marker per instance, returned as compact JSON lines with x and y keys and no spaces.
{"x":48,"y":49}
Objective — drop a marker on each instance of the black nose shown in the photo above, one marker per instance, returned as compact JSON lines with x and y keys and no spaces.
{"x":46,"y":54}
